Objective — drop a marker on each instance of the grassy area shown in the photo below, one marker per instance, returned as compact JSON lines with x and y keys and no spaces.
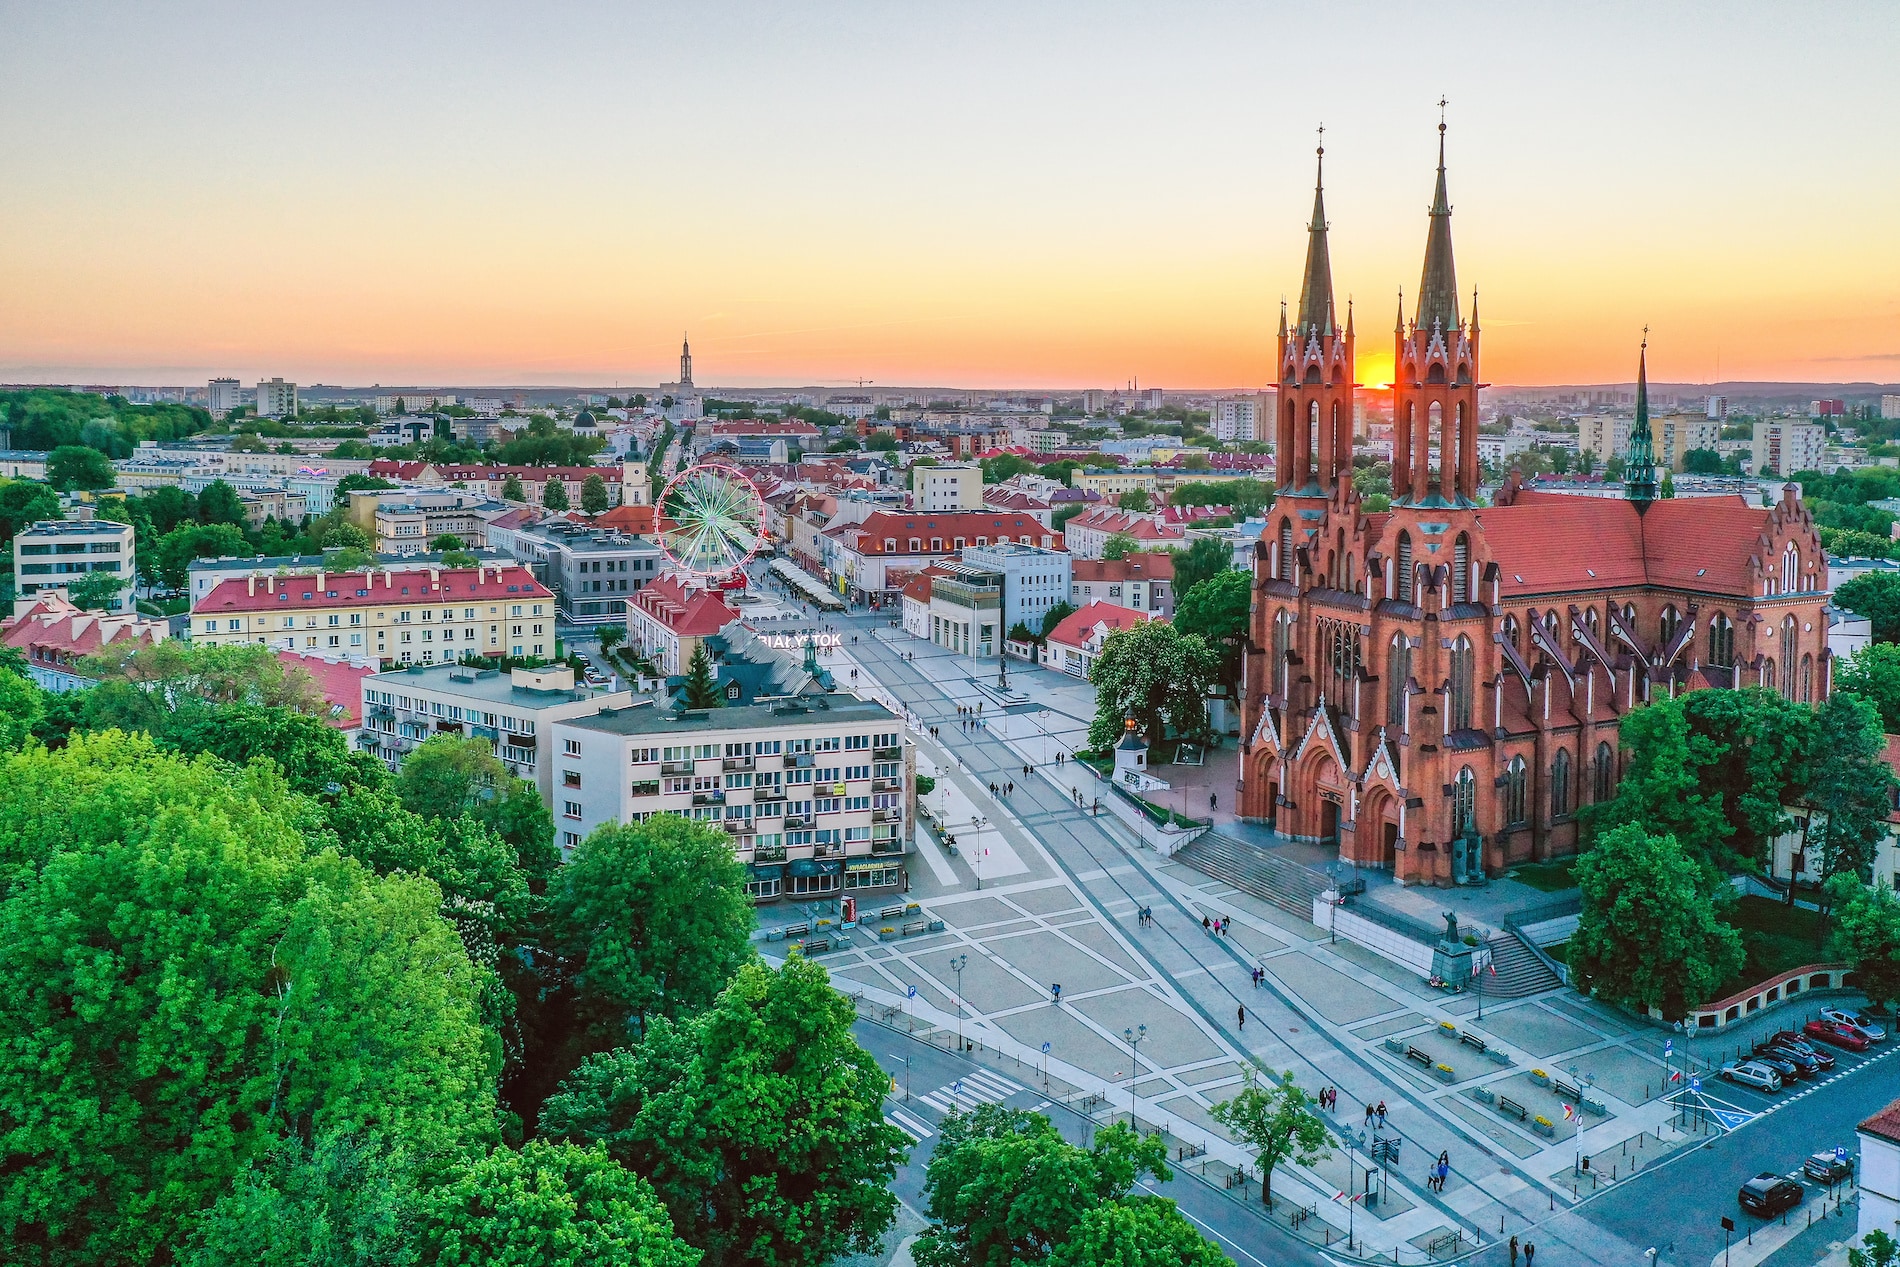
{"x":1777,"y":937}
{"x":1550,"y":877}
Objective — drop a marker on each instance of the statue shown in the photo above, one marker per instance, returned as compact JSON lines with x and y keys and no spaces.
{"x":1451,"y":926}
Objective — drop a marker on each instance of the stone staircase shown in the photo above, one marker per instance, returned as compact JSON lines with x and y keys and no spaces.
{"x":1260,"y":872}
{"x":1519,"y":972}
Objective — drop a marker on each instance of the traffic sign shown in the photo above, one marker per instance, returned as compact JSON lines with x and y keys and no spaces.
{"x":1045,"y":1049}
{"x":1669,"y":1048}
{"x":913,"y":992}
{"x":1695,"y":1084}
{"x":1840,"y":1154}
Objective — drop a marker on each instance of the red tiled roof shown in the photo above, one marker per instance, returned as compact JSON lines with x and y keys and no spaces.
{"x":390,"y":468}
{"x":1013,"y":499}
{"x":371,"y":589}
{"x":1546,"y":542}
{"x":341,"y":684}
{"x":1077,"y":625}
{"x":637,"y":520}
{"x":881,"y":526}
{"x":688,"y":612}
{"x":1155,"y":565}
{"x":1885,"y":1124}
{"x":55,"y":632}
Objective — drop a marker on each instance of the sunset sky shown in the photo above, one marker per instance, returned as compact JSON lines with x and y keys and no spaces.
{"x":1011,"y":194}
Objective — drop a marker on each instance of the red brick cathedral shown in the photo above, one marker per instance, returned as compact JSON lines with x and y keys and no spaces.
{"x":1437,"y":688}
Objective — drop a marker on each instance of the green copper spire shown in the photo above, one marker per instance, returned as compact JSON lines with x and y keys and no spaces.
{"x":1639,"y":466}
{"x":1316,"y":290}
{"x":1438,"y":288}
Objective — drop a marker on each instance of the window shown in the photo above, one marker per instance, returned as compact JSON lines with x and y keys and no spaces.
{"x":1403,"y":566}
{"x":1668,"y":627}
{"x":1790,"y":571}
{"x":1605,"y":775}
{"x":1282,"y":649}
{"x":1285,"y":561}
{"x":1464,"y":802}
{"x":572,"y":747}
{"x":1560,"y":784}
{"x":1514,"y":785}
{"x":1461,"y":685}
{"x":1398,"y":672}
{"x":1790,"y":643}
{"x":1461,"y":570}
{"x":570,"y":809}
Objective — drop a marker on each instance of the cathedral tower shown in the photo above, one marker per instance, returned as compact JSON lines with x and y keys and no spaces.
{"x":1435,"y":379}
{"x":1314,"y":427}
{"x":686,"y":364}
{"x":1639,"y":466}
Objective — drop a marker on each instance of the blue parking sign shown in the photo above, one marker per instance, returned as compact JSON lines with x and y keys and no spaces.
{"x":1840,"y":1154}
{"x":1695,"y":1084}
{"x":913,"y":992}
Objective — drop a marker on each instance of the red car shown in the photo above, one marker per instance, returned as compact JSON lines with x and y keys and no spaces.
{"x":1838,"y":1035}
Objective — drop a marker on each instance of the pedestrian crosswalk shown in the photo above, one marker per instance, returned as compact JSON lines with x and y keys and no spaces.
{"x":978,"y":1087}
{"x":912,"y":1126}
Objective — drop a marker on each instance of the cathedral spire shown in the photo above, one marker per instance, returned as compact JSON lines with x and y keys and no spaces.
{"x":1639,"y":466}
{"x":1438,"y":289}
{"x":686,"y":361}
{"x":1316,"y":291}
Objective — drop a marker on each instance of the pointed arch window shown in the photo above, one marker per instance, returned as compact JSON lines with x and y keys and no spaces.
{"x":1282,"y":649}
{"x":1560,"y":783}
{"x":1807,"y":679}
{"x":1604,"y":779}
{"x":1790,"y":646}
{"x":1461,"y":569}
{"x":1515,"y":785}
{"x":1398,"y":671}
{"x":1464,"y":801}
{"x":1668,"y":627}
{"x":1790,"y":569}
{"x":1286,"y":550}
{"x":1463,"y":669}
{"x":1511,"y":632}
{"x":1721,"y":641}
{"x":1312,"y":439}
{"x":1592,"y":621}
{"x":1768,"y":674}
{"x":1404,"y":567}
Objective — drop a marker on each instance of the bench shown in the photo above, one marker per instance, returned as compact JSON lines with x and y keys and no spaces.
{"x":1565,"y":1090}
{"x":915,"y":927}
{"x":794,"y":930}
{"x":1511,"y":1108}
{"x":1413,"y":1053}
{"x":815,"y":946}
{"x":1470,"y":1039}
{"x":891,"y":912}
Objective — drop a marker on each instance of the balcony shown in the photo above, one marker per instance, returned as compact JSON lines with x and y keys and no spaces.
{"x":736,"y":763}
{"x":884,"y":785}
{"x":827,"y":851}
{"x":763,"y":795}
{"x":887,"y":815}
{"x":677,"y":767}
{"x":769,"y":853}
{"x":887,"y":754}
{"x":738,"y":826}
{"x":882,"y":848}
{"x":796,"y":820}
{"x":709,"y":798}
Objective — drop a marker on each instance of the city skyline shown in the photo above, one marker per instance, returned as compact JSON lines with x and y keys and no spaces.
{"x":960,"y":199}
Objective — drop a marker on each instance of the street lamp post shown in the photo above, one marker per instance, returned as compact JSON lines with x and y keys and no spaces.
{"x":1133,"y":1038}
{"x":956,"y":966}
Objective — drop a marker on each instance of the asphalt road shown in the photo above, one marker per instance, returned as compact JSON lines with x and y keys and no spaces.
{"x":932,"y":1076}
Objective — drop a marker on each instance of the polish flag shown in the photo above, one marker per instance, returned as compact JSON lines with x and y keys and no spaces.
{"x":1569,"y":1113}
{"x":1675,"y":1075}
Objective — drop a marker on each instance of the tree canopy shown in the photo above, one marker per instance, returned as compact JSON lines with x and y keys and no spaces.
{"x":1201,"y":561}
{"x":72,"y":466}
{"x":1873,"y":674}
{"x":1875,"y":595}
{"x":1155,"y":674}
{"x":1276,"y":1119}
{"x":1216,"y":610}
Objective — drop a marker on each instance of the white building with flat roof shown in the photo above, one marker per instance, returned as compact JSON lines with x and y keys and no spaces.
{"x":817,"y":794}
{"x":57,"y":553}
{"x":276,"y":398}
{"x":953,"y":486}
{"x":222,"y":395}
{"x":1782,"y":448}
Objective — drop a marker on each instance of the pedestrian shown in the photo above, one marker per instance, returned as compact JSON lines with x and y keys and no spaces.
{"x":1011,"y":791}
{"x":1530,"y":1252}
{"x":1381,"y":1112}
{"x":1514,"y":1251}
{"x":1055,"y":994}
{"x":1369,"y":1113}
{"x":1213,"y":800}
{"x":1241,"y":1013}
{"x":1444,"y":1159}
{"x":1207,"y":926}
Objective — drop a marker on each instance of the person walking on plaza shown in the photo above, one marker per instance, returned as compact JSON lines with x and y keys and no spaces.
{"x":1207,"y":926}
{"x":1514,"y":1251}
{"x":1240,"y":1014}
{"x":1213,"y":801}
{"x":1530,"y":1252}
{"x":1381,"y":1113}
{"x":1369,"y":1112}
{"x":1055,"y":994}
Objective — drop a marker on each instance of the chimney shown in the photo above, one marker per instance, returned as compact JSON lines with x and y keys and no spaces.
{"x":319,"y":578}
{"x":435,"y":575}
{"x":270,"y":583}
{"x":250,"y":584}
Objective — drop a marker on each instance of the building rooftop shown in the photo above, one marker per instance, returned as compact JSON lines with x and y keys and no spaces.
{"x":492,"y":685}
{"x":810,"y":710}
{"x":378,"y":588}
{"x":1885,"y":1124}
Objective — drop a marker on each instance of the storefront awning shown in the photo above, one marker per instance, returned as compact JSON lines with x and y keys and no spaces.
{"x":812,"y":866}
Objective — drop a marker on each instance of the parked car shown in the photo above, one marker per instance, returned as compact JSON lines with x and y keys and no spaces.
{"x":1769,"y":1194}
{"x":1827,"y":1168}
{"x":1804,"y":1062}
{"x":1839,"y":1035}
{"x":1752,"y":1073}
{"x":1870,"y":1029}
{"x":1786,"y":1068}
{"x":1792,"y":1041}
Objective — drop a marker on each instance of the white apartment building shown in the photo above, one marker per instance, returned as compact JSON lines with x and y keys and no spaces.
{"x":55,"y":553}
{"x":957,"y":486}
{"x":1782,"y":448}
{"x":276,"y":399}
{"x":513,"y":711}
{"x":222,"y":395}
{"x":1235,"y":419}
{"x":1890,"y":407}
{"x":816,"y":793}
{"x":1716,"y":407}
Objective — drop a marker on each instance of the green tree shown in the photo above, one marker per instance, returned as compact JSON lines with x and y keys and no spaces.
{"x":1135,"y":499}
{"x":1851,"y":543}
{"x":846,"y":445}
{"x":1850,"y":786}
{"x":171,"y":560}
{"x":72,"y":466}
{"x":1137,"y":1232}
{"x":1875,"y":595}
{"x":220,"y":504}
{"x":459,"y":559}
{"x":1649,"y":935}
{"x":1201,"y":561}
{"x":611,"y":636}
{"x":1752,"y":749}
{"x":1702,"y":462}
{"x":759,"y":1121}
{"x":1005,"y":466}
{"x":96,"y":591}
{"x":190,"y":984}
{"x":1119,"y":546}
{"x":1063,"y":514}
{"x":352,"y":559}
{"x":702,"y":691}
{"x":446,"y":541}
{"x":594,"y":497}
{"x":1005,"y":1189}
{"x":347,"y":536}
{"x":362,"y":483}
{"x":1873,"y":674}
{"x":182,"y":671}
{"x":334,"y":1203}
{"x":511,"y":490}
{"x":881,"y":442}
{"x":449,"y":776}
{"x":20,"y":709}
{"x":554,"y":494}
{"x":1153,"y":673}
{"x":1216,"y":610}
{"x":311,"y":752}
{"x":653,"y":918}
{"x":1867,"y":936}
{"x":1276,"y":1120}
{"x":23,"y":503}
{"x":1053,"y":617}
{"x":1880,"y":1250}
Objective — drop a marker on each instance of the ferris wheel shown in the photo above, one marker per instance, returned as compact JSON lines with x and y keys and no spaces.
{"x":711,"y":520}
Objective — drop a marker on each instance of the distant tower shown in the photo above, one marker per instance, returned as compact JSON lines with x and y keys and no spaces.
{"x":1639,"y":465}
{"x":1435,"y":378}
{"x":1314,"y":428}
{"x":686,"y":364}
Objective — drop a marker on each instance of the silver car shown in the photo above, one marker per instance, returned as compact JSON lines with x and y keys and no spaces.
{"x":1870,"y":1029}
{"x":1752,"y":1073}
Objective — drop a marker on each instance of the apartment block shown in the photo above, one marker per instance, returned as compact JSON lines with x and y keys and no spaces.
{"x":514,"y":711}
{"x":54,"y":553}
{"x":938,"y":489}
{"x":276,"y":398}
{"x":1782,"y":448}
{"x":593,"y":572}
{"x":816,"y":794}
{"x":418,"y":616}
